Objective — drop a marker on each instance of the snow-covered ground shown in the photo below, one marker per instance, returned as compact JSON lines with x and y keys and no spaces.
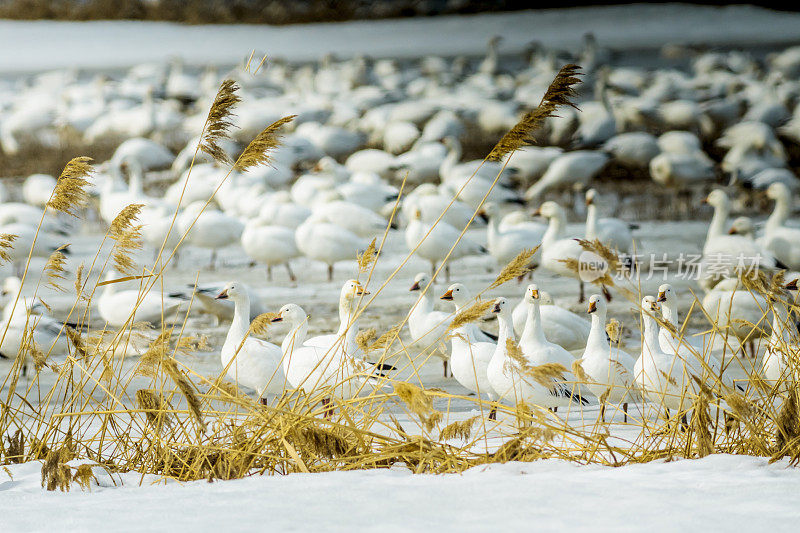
{"x":123,"y":44}
{"x":718,"y":493}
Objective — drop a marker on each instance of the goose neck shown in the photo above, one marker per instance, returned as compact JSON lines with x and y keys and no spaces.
{"x":533,"y":332}
{"x":717,"y":226}
{"x":591,"y":222}
{"x":554,"y":229}
{"x":779,"y":214}
{"x":296,"y":336}
{"x":598,"y":341}
{"x":240,"y":323}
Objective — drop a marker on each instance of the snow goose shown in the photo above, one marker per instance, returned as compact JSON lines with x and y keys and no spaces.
{"x":561,"y":326}
{"x":427,"y":326}
{"x":509,"y":379}
{"x":149,"y":153}
{"x":681,"y":169}
{"x":726,"y":251}
{"x":610,"y":371}
{"x":694,"y":352}
{"x":248,"y":361}
{"x":470,"y":357}
{"x":556,"y":248}
{"x":433,"y":242}
{"x":633,"y":150}
{"x":783,"y":341}
{"x":116,"y":307}
{"x":270,"y":245}
{"x":421,"y":163}
{"x":28,"y":237}
{"x":484,"y":171}
{"x":781,"y":241}
{"x":462,"y":298}
{"x":662,"y":378}
{"x":48,"y":335}
{"x":612,"y":232}
{"x":531,"y":162}
{"x":505,"y":244}
{"x":353,"y":217}
{"x":207,"y":293}
{"x":327,"y":242}
{"x":568,"y":170}
{"x":534,"y":343}
{"x":207,"y":227}
{"x":729,"y":305}
{"x":325,"y":363}
{"x":367,"y":190}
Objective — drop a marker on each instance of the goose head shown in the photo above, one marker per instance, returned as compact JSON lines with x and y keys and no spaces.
{"x":11,"y":286}
{"x":291,"y":313}
{"x":649,"y":305}
{"x":501,"y":307}
{"x":232,"y":291}
{"x":597,"y":305}
{"x":352,"y":289}
{"x":545,"y":298}
{"x":666,"y":294}
{"x":778,"y":191}
{"x":549,"y":210}
{"x":489,"y":210}
{"x":421,"y":281}
{"x":532,"y":294}
{"x":742,"y":226}
{"x":717,"y":198}
{"x":591,"y":194}
{"x":457,"y":293}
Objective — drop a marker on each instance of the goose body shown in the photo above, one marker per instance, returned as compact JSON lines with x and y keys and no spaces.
{"x":782,"y":241}
{"x":505,"y":244}
{"x":561,"y":326}
{"x":117,"y":306}
{"x":327,"y":243}
{"x":252,"y":362}
{"x":427,"y":326}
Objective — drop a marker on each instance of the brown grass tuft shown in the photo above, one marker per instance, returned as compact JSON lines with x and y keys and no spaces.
{"x":218,"y":122}
{"x":54,"y":269}
{"x":70,"y":195}
{"x":559,"y":93}
{"x":516,"y":268}
{"x":6,"y":244}
{"x":472,"y":313}
{"x":257,"y":152}
{"x":367,"y":258}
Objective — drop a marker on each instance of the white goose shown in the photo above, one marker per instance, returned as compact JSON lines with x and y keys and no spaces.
{"x":612,"y":232}
{"x":327,"y":243}
{"x":117,"y":306}
{"x":270,"y":245}
{"x":433,"y":242}
{"x":732,"y":306}
{"x":781,"y":241}
{"x":208,"y":227}
{"x":561,"y":326}
{"x":427,"y":326}
{"x":37,"y":188}
{"x":569,"y":169}
{"x":534,"y":343}
{"x":506,"y":244}
{"x":319,"y":364}
{"x":207,"y":293}
{"x":509,"y":381}
{"x":610,"y":371}
{"x":663,"y":378}
{"x":249,"y":361}
{"x":557,"y":248}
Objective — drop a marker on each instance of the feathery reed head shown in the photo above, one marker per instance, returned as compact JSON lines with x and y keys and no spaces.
{"x":367,"y":257}
{"x":6,"y":244}
{"x":260,"y":323}
{"x":218,"y":122}
{"x":128,"y":237}
{"x":516,"y":268}
{"x":559,"y":93}
{"x":70,"y":194}
{"x":472,"y":313}
{"x":257,"y":152}
{"x":54,"y":269}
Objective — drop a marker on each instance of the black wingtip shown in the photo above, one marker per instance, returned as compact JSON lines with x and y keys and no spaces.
{"x":383,"y":366}
{"x":516,"y":200}
{"x":490,"y":335}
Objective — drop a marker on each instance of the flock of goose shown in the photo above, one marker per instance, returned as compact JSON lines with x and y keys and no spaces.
{"x":379,"y":146}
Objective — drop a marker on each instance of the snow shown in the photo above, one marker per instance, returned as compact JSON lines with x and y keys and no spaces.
{"x":115,"y":44}
{"x":720,"y":492}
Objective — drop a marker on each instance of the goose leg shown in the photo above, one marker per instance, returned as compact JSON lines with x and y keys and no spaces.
{"x":581,"y":295}
{"x":447,"y":273}
{"x":433,"y":269}
{"x":603,"y":412}
{"x":291,"y":274}
{"x":625,"y":410}
{"x":330,"y":272}
{"x":269,"y":273}
{"x":444,"y":366}
{"x":684,"y":423}
{"x":213,"y":260}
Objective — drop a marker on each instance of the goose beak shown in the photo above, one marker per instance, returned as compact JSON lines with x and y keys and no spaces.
{"x":662,"y":297}
{"x":496,"y":308}
{"x":360,"y":290}
{"x":732,"y":231}
{"x":415,"y":286}
{"x":223,"y":295}
{"x":704,"y":200}
{"x":592,"y":307}
{"x":792,"y":285}
{"x":535,"y":294}
{"x":589,"y":201}
{"x":447,"y":296}
{"x":655,"y":307}
{"x":538,"y":212}
{"x":278,"y":318}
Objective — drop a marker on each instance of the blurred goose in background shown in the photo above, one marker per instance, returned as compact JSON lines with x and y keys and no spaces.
{"x":129,"y":306}
{"x":327,"y":242}
{"x":781,"y":241}
{"x":427,"y":326}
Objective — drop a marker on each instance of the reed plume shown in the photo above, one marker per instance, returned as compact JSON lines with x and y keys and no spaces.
{"x":127,"y":237}
{"x":472,"y":313}
{"x":367,"y":257}
{"x":559,"y":93}
{"x":70,"y":195}
{"x":6,"y":244}
{"x":54,"y":269}
{"x":258,"y":151}
{"x":516,"y":268}
{"x":218,"y":122}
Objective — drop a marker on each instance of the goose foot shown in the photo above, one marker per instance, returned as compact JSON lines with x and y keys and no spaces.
{"x":581,"y":294}
{"x":291,"y":274}
{"x":625,"y":410}
{"x":444,"y":367}
{"x":493,"y":414}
